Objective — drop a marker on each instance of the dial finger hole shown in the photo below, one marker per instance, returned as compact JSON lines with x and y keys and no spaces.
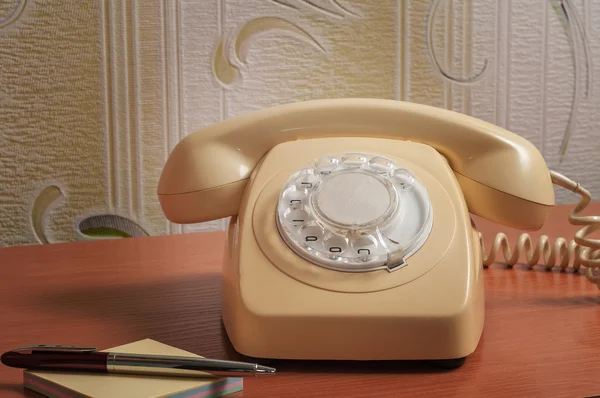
{"x":353,"y":160}
{"x":335,"y":244}
{"x":312,"y":236}
{"x":295,"y":199}
{"x":326,"y":165}
{"x":297,"y":217}
{"x":306,"y":181}
{"x":364,"y":246}
{"x":380,"y":165}
{"x":403,"y":179}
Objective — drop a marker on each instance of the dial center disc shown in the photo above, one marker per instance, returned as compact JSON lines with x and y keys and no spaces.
{"x":353,"y":198}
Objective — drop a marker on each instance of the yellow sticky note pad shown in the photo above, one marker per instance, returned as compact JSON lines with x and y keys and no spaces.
{"x":68,"y":385}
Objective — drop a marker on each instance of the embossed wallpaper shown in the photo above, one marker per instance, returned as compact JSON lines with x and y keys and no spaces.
{"x":95,"y":94}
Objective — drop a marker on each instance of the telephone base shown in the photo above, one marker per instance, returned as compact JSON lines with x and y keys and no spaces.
{"x":279,"y":305}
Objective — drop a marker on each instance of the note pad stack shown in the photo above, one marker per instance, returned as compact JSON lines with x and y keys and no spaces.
{"x":68,"y":385}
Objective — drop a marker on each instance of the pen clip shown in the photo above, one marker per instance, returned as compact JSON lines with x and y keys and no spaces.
{"x":53,"y":348}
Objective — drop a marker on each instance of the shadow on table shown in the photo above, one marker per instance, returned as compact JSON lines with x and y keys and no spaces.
{"x":11,"y":387}
{"x":355,"y":367}
{"x":184,"y":311}
{"x":581,"y":301}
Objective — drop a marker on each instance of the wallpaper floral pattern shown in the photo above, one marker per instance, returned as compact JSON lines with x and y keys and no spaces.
{"x":95,"y":94}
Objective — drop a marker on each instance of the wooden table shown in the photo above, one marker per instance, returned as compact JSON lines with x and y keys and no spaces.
{"x":541,"y":338}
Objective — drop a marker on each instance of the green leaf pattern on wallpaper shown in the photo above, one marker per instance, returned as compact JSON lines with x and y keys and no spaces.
{"x":106,"y":226}
{"x":91,"y":227}
{"x":580,"y":54}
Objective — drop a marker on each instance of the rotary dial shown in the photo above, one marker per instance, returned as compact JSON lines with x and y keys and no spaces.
{"x":354,"y":212}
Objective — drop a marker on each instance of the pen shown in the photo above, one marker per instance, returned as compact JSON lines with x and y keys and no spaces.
{"x":87,"y":359}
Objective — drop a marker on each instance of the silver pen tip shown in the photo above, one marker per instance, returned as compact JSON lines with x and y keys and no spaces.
{"x":264,"y":370}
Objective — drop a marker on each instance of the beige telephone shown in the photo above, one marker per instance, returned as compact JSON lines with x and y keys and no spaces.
{"x":350,"y":235}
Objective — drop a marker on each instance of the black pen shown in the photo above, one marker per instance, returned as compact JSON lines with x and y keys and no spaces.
{"x":87,"y":359}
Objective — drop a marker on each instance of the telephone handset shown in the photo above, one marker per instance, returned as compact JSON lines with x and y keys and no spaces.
{"x":350,"y":235}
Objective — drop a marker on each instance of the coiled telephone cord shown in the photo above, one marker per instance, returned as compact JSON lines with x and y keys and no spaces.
{"x":583,"y":250}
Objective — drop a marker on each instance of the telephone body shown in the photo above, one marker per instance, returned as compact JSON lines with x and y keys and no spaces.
{"x":350,"y":236}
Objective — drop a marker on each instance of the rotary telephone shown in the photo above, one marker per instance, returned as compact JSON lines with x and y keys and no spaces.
{"x":350,"y":236}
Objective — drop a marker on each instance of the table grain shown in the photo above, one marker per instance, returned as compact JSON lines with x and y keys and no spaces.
{"x":541,"y":336}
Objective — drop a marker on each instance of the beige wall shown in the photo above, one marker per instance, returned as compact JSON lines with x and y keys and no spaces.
{"x":94,"y":94}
